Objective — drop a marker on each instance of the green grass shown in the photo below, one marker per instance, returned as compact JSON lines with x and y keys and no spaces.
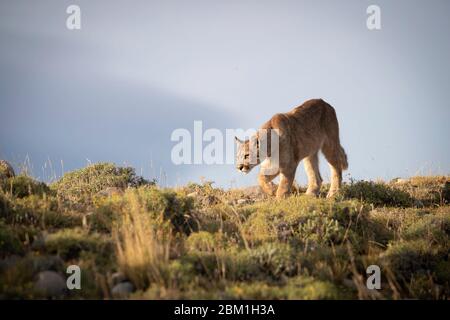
{"x":201,"y":242}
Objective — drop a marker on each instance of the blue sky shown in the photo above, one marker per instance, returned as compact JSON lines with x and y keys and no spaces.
{"x":117,"y":88}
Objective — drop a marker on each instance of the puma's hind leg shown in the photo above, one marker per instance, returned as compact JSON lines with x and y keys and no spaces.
{"x":311,"y":164}
{"x":337,"y":159}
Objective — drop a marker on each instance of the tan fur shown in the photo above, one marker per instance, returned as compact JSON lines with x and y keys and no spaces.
{"x":303,"y":131}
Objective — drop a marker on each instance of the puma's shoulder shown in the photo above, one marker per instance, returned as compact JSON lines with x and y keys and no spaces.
{"x":278,"y":121}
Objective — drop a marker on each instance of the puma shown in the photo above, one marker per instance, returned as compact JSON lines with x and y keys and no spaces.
{"x":301,"y":133}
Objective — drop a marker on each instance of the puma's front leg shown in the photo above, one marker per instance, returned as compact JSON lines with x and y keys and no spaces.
{"x":286,"y":181}
{"x":266,"y":184}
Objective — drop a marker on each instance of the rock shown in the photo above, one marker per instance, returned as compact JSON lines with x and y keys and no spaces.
{"x":110,"y":191}
{"x":253,"y":191}
{"x":193,"y":194}
{"x":48,"y":263}
{"x":401,"y":181}
{"x":6,"y":170}
{"x":122,"y":290}
{"x":243,"y":201}
{"x":51,"y":284}
{"x":118,"y":277}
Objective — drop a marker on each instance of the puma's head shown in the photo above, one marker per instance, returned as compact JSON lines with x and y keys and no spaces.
{"x":247,"y":155}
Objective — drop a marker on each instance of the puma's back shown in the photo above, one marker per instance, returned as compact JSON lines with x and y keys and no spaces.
{"x":305,"y":129}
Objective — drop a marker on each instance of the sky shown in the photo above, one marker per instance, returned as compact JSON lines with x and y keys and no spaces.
{"x":117,"y":88}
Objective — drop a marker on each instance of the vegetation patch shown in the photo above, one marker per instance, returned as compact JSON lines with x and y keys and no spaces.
{"x":78,"y":187}
{"x":202,"y":242}
{"x":377,"y":194}
{"x":22,"y":186}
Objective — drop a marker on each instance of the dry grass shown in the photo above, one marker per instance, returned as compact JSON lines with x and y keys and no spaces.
{"x":143,"y":245}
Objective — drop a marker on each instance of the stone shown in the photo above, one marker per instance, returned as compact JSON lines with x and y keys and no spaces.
{"x":51,"y":284}
{"x":48,"y":263}
{"x":118,"y":277}
{"x":110,"y":191}
{"x":253,"y":191}
{"x":193,"y":194}
{"x":243,"y":201}
{"x":122,"y":290}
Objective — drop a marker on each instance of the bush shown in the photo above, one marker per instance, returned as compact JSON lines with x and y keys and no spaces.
{"x":70,"y":243}
{"x":41,"y":212}
{"x":408,"y":258}
{"x":202,"y":241}
{"x":429,"y":190}
{"x":23,"y":186}
{"x":300,"y":288}
{"x":173,"y":207}
{"x":5,"y":205}
{"x":305,"y":219}
{"x":16,"y":280}
{"x":275,"y":259}
{"x":205,"y":194}
{"x":376,"y":193}
{"x":321,"y":229}
{"x":160,"y":205}
{"x":9,"y":242}
{"x":326,"y":263}
{"x":78,"y":187}
{"x":434,"y":228}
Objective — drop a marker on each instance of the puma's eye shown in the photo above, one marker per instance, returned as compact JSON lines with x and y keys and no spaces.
{"x":246,"y":156}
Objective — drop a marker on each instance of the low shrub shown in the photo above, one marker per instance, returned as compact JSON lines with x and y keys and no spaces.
{"x":276,"y":259}
{"x":305,"y":219}
{"x":9,"y":241}
{"x":70,"y":243}
{"x":376,"y":193}
{"x":174,"y":207}
{"x":426,"y":190}
{"x":434,"y":228}
{"x":40,"y":212}
{"x":22,"y":186}
{"x":78,"y":187}
{"x":297,"y":288}
{"x":202,"y":241}
{"x":406,"y":259}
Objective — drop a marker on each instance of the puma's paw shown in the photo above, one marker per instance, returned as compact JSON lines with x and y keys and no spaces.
{"x":332,"y":193}
{"x":312,"y":192}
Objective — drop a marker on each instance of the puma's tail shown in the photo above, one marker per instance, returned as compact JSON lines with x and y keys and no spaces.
{"x":343,"y":158}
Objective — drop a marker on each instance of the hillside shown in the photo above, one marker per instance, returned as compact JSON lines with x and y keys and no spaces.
{"x":133,"y":239}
